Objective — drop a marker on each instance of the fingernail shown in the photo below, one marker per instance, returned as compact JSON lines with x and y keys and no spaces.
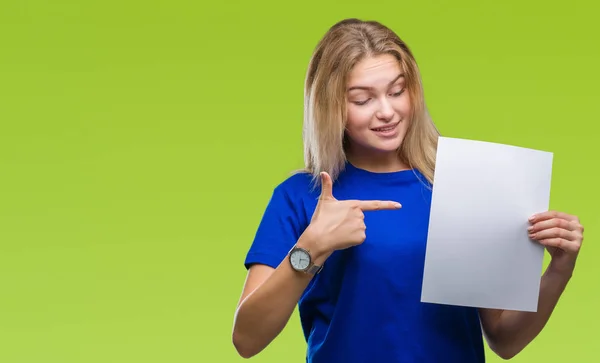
{"x":530,"y":229}
{"x":532,"y":218}
{"x":398,"y":205}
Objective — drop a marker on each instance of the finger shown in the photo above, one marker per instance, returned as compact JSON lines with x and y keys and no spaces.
{"x":370,"y":205}
{"x":326,"y":187}
{"x":563,"y":244}
{"x":552,"y":214}
{"x":553,"y":233}
{"x":554,"y":223}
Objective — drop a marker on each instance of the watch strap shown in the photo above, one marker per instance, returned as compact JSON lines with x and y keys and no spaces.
{"x":314,"y":269}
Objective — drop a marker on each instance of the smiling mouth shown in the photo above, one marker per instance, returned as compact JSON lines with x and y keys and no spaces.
{"x":386,"y":128}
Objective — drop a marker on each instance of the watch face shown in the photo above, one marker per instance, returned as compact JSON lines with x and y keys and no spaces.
{"x":300,"y":260}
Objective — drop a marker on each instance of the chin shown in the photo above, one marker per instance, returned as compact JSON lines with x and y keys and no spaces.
{"x":373,"y":144}
{"x":388,"y":145}
{"x":385,"y":148}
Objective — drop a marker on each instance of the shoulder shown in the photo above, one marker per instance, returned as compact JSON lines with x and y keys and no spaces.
{"x":297,"y":186}
{"x":292,"y":199}
{"x":284,"y":219}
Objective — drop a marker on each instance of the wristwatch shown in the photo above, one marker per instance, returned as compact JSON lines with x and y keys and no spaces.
{"x":301,"y":260}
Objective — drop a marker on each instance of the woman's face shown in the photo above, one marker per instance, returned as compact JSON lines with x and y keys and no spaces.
{"x":378,"y":106}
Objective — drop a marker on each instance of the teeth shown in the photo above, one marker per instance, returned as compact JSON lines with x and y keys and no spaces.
{"x":385,"y":128}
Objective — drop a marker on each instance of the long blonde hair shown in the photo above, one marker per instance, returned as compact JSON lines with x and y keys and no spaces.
{"x":340,"y":49}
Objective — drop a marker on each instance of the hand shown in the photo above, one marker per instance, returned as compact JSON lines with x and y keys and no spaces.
{"x":337,"y":224}
{"x":562,"y":235}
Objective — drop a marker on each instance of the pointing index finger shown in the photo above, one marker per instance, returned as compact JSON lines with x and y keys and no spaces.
{"x":370,"y":205}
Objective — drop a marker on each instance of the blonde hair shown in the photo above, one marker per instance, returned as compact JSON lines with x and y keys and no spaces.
{"x":341,"y":48}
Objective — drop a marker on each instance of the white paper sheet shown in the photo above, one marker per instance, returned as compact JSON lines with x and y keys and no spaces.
{"x":478,"y":250}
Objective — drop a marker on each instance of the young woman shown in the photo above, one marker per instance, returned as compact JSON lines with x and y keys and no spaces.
{"x":345,"y":238}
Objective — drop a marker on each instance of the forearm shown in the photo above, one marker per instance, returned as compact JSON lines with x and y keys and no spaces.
{"x":514,"y":330}
{"x":266,"y":311}
{"x":263,"y":314}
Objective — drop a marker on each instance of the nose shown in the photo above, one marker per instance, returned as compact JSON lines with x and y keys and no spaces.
{"x":386,"y":111}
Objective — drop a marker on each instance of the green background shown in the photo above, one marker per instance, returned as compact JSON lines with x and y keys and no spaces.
{"x":140,"y":142}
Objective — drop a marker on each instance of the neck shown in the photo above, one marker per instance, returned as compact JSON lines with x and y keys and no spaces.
{"x":377,"y":163}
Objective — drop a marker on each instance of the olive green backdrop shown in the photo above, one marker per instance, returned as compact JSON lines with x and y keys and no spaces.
{"x":140,"y":142}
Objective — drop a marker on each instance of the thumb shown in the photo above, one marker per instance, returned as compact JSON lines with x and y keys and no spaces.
{"x":326,"y":187}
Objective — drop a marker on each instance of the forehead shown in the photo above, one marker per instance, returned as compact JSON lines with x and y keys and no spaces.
{"x":374,"y":71}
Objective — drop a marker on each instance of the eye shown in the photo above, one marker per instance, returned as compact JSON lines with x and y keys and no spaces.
{"x":361,"y":103}
{"x":398,"y":93}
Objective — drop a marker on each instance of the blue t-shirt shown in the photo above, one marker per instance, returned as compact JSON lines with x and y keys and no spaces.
{"x":365,"y":304}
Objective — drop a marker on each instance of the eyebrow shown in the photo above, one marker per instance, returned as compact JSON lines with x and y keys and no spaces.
{"x":369,"y":88}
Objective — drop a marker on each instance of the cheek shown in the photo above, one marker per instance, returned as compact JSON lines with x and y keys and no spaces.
{"x":359,"y":118}
{"x":402,"y":105}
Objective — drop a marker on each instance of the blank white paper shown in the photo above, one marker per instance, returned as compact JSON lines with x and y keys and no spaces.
{"x":478,"y":250}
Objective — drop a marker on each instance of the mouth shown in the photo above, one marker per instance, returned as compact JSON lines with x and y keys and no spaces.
{"x":386,"y":128}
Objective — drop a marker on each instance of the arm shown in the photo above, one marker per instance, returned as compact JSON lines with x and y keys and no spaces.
{"x":509,"y":332}
{"x":268,"y":300}
{"x":270,"y":295}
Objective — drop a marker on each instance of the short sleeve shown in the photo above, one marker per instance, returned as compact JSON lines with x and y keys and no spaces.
{"x":281,"y":225}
